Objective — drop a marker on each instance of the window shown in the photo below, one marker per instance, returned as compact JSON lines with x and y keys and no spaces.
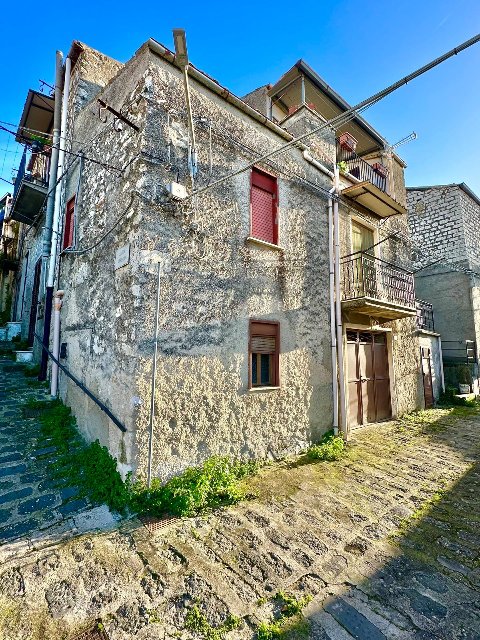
{"x":69,"y":224}
{"x":263,"y":204}
{"x":264,"y":354}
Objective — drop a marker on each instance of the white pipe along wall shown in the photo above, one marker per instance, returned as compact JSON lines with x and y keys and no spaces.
{"x":56,"y":225}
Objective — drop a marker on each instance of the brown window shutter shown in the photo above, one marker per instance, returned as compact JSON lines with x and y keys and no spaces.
{"x":263,"y":200}
{"x":263,"y":344}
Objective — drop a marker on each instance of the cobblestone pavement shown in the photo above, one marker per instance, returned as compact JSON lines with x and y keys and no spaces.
{"x":386,"y":541}
{"x":32,"y":503}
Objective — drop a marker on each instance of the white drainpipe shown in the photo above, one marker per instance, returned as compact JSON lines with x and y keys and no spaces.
{"x":338,"y":313}
{"x":55,"y":229}
{"x":57,"y":306}
{"x":333,"y":339}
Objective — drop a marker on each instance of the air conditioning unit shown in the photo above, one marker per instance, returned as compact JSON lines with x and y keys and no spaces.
{"x":177,"y":191}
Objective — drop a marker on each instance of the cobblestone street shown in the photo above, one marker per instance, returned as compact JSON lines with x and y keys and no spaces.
{"x":32,"y":501}
{"x":386,"y":541}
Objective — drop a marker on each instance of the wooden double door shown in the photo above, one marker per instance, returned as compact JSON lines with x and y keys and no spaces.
{"x":367,"y":378}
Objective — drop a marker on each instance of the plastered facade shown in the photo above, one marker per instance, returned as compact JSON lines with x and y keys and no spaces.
{"x":216,"y":282}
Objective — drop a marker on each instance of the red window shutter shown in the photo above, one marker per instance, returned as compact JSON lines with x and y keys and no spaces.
{"x":264,"y":207}
{"x":69,"y":222}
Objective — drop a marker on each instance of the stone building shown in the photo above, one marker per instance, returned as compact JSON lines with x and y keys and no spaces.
{"x":233,"y":276}
{"x":445,"y":227}
{"x":8,"y":257}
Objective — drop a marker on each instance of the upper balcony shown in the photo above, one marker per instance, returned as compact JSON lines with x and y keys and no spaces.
{"x":31,"y":186}
{"x":373,"y":287}
{"x":371,"y":188}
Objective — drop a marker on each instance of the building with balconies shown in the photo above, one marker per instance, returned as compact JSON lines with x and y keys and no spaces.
{"x":202,"y":312}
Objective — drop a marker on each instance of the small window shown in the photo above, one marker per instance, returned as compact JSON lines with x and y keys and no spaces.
{"x":263,"y":205}
{"x":69,"y":224}
{"x":264,"y":354}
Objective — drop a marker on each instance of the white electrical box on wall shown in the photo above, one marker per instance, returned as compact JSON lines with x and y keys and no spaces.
{"x":177,"y":191}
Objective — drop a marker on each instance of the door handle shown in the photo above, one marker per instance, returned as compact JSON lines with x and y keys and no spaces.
{"x":363,"y":379}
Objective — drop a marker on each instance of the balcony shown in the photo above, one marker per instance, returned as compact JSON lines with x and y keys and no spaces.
{"x":425,"y":321}
{"x":371,"y":184}
{"x":31,"y":186}
{"x":373,"y":287}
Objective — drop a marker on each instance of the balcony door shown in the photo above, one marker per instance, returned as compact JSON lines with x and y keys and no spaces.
{"x":367,"y":378}
{"x":364,"y":276}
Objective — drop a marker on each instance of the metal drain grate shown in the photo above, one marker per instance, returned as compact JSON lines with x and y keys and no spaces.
{"x":94,"y":633}
{"x":155,"y":524}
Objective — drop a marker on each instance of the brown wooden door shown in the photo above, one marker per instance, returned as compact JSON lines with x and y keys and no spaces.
{"x":367,"y":378}
{"x":34,"y":307}
{"x":427,"y":377}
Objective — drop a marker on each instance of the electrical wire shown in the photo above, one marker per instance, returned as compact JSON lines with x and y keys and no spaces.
{"x":338,"y":120}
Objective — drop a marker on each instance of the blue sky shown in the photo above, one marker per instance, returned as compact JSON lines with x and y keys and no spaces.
{"x":357,"y":47}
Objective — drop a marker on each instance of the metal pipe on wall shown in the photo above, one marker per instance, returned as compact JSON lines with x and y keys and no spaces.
{"x":47,"y":234}
{"x":338,"y":314}
{"x":55,"y":227}
{"x":333,"y":338}
{"x":57,"y":304}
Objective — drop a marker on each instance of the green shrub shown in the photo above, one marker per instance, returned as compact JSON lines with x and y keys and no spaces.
{"x":330,"y":448}
{"x":214,"y":483}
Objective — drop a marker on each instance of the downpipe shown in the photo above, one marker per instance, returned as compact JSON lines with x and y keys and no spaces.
{"x":333,"y":338}
{"x":338,"y":314}
{"x":55,"y":226}
{"x":47,"y":234}
{"x":57,"y":307}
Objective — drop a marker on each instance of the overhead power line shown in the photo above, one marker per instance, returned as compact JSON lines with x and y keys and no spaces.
{"x":338,"y":120}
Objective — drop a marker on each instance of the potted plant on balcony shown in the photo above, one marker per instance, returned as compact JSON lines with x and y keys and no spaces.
{"x":348,"y":142}
{"x":464,"y":378}
{"x":380,"y":168}
{"x":342,"y":166}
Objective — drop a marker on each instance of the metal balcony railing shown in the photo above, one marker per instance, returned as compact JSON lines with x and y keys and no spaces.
{"x":365,"y":276}
{"x":425,"y":320}
{"x":360,"y":169}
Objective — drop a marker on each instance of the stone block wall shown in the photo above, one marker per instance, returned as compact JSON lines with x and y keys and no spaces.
{"x":435,"y":217}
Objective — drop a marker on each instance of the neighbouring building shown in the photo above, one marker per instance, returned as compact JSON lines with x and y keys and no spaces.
{"x":233,"y":275}
{"x":8,"y":257}
{"x":445,"y":227}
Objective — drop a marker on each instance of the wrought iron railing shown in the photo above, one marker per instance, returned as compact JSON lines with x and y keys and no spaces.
{"x":37,"y":171}
{"x":360,"y":169}
{"x":425,"y":320}
{"x":365,"y":276}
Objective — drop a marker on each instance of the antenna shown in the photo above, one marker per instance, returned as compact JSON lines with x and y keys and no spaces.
{"x":409,"y":138}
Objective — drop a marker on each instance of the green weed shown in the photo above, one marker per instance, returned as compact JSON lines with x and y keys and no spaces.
{"x":329,"y":448}
{"x":196,"y":621}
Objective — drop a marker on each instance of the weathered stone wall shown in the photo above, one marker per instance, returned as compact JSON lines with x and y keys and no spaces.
{"x":98,"y":298}
{"x":216,"y":283}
